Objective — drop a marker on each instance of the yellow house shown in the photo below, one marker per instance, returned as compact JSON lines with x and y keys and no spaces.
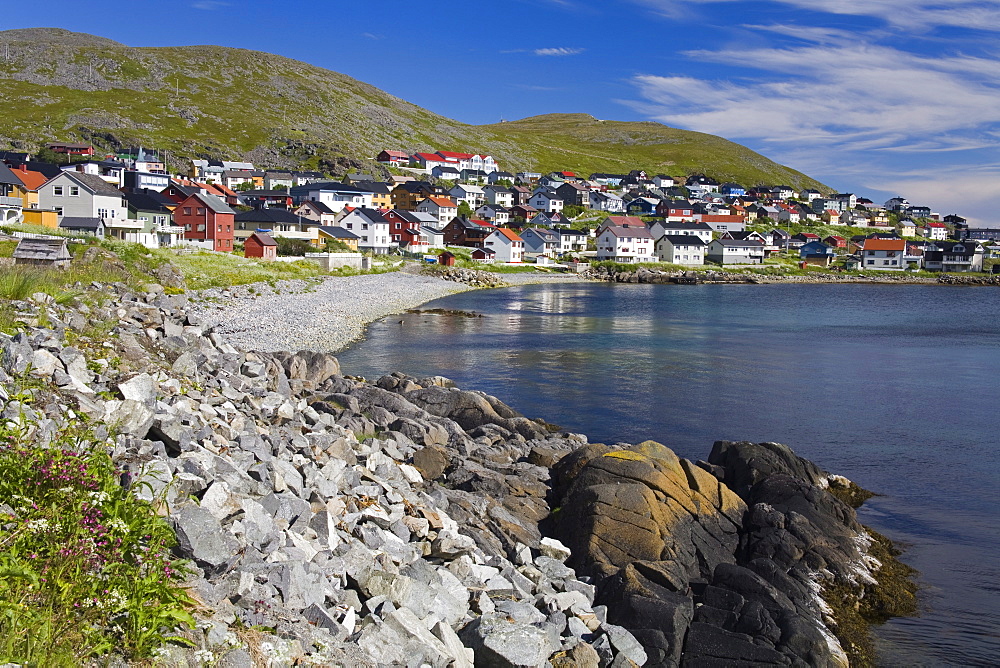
{"x":42,"y":217}
{"x":344,"y":236}
{"x":28,"y":191}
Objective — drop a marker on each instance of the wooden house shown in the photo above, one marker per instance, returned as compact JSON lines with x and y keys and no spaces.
{"x":42,"y":252}
{"x":260,"y":245}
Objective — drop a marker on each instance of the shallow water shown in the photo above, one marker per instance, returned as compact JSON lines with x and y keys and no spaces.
{"x":895,"y":387}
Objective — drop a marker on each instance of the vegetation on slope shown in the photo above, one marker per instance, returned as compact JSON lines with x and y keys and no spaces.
{"x":209,"y":101}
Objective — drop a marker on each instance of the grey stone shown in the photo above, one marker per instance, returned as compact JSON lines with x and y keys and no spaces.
{"x":44,"y":363}
{"x":141,"y":388}
{"x":625,"y":643}
{"x":502,"y":643}
{"x":201,"y":537}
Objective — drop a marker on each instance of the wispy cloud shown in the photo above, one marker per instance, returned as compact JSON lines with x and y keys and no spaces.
{"x":209,"y":5}
{"x":373,"y":36}
{"x":558,"y":51}
{"x":843,"y":94}
{"x":909,"y":14}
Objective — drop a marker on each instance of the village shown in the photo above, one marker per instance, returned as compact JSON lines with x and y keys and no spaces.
{"x":444,"y":206}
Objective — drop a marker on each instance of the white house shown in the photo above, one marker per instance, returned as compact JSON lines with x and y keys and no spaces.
{"x":547,"y":202}
{"x":883,"y":254}
{"x":699,"y":229}
{"x":681,"y":249}
{"x":935,"y":231}
{"x":572,"y":241}
{"x":625,"y":244}
{"x":662,"y":181}
{"x":471,"y":195}
{"x":604,"y":201}
{"x":111,"y":171}
{"x":78,"y":195}
{"x":506,"y":244}
{"x":371,"y":228}
{"x":735,"y":251}
{"x":499,"y":195}
{"x":442,"y":208}
{"x":336,"y":196}
{"x":494,"y":213}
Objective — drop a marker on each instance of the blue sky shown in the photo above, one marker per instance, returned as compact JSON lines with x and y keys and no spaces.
{"x":879,"y":97}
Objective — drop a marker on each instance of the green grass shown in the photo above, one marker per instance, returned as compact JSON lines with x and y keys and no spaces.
{"x":205,"y":269}
{"x":320,"y":115}
{"x":85,"y":566}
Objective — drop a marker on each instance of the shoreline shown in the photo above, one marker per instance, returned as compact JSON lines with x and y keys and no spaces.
{"x":326,"y":315}
{"x":331,"y":313}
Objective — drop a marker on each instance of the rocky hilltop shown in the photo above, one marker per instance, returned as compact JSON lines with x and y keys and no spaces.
{"x":332,"y":520}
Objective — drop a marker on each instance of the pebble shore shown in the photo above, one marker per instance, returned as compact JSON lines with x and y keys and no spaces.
{"x":327,"y":314}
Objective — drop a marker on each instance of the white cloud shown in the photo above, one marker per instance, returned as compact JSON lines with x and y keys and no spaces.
{"x":209,"y":5}
{"x":909,"y":14}
{"x":848,"y":94}
{"x":972,"y":193}
{"x":558,"y":51}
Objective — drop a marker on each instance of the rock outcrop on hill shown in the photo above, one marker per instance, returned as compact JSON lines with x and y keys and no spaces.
{"x":405,"y":521}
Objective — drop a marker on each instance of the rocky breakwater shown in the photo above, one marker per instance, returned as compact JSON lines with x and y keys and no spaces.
{"x":328,"y":520}
{"x":727,"y":562}
{"x":472,"y":277}
{"x":644,"y":275}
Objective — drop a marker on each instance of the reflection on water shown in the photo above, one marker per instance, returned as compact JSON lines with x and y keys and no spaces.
{"x":889,"y":385}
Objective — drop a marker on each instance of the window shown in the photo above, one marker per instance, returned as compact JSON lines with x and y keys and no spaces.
{"x":871,"y":261}
{"x":74,"y":191}
{"x":102,"y":213}
{"x":187,"y":211}
{"x":201,"y":211}
{"x":57,"y":191}
{"x":59,"y":210}
{"x":220,"y":228}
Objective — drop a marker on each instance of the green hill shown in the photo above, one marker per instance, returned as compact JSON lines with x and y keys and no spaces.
{"x":218,"y":102}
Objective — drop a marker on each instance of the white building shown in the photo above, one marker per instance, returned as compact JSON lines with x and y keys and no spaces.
{"x":680,"y":249}
{"x":625,"y":244}
{"x":371,"y":228}
{"x":506,"y":244}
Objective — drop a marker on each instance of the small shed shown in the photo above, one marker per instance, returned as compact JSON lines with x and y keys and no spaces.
{"x":260,"y":245}
{"x":42,"y":252}
{"x":447,"y":259}
{"x":484,"y":255}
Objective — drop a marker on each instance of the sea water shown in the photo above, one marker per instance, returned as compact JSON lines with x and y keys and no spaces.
{"x":894,"y":386}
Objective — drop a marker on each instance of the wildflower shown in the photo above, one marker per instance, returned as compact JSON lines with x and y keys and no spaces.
{"x":38,"y":525}
{"x":204,"y":656}
{"x":232,"y":639}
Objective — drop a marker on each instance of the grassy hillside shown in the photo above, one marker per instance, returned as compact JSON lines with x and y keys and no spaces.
{"x":209,"y":101}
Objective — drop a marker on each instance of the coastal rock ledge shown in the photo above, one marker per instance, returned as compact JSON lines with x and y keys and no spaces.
{"x":331,"y":520}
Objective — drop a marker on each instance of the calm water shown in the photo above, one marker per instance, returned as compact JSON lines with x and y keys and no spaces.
{"x":895,"y":387}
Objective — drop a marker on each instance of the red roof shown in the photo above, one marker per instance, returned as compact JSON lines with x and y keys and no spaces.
{"x":396,"y":154}
{"x":571,"y":174}
{"x":884,"y":244}
{"x":509,"y":234}
{"x":430,"y":157}
{"x":455,"y":156}
{"x":627,"y":220}
{"x":936,"y":225}
{"x":810,"y":235}
{"x":443,"y":202}
{"x":31,"y":180}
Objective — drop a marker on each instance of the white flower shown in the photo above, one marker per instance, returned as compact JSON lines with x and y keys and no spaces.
{"x":232,"y":639}
{"x":204,"y":656}
{"x":161,"y":652}
{"x":99,"y":497}
{"x":38,"y":525}
{"x":118,"y":525}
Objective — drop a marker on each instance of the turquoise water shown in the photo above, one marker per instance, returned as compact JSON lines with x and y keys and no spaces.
{"x":895,"y":387}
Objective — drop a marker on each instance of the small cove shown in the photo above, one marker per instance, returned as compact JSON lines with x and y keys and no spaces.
{"x":892,"y":386}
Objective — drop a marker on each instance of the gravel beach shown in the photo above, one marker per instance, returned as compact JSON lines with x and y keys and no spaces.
{"x":325,"y":314}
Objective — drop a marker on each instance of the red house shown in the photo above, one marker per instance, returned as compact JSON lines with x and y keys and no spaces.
{"x":261,"y":246}
{"x":402,"y":222}
{"x":836,"y":241}
{"x":206,"y":218}
{"x":71,"y":149}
